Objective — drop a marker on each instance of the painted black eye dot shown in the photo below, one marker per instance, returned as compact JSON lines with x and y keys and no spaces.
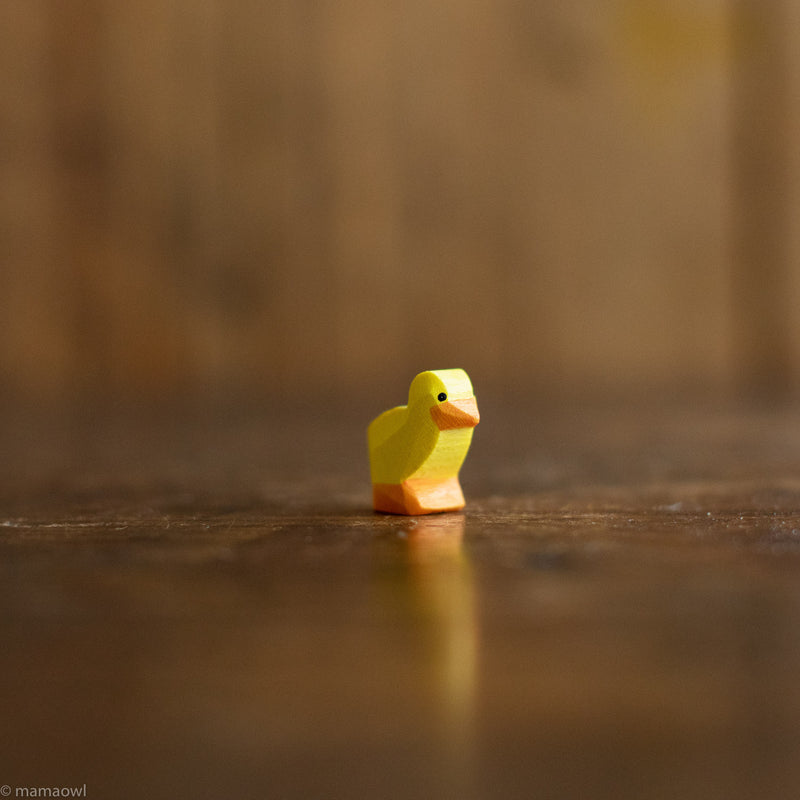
{"x":442,"y":397}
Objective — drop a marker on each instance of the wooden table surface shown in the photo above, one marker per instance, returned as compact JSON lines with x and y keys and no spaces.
{"x":204,"y":606}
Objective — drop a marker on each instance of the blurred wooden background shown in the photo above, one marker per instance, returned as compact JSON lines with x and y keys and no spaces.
{"x":201,"y":198}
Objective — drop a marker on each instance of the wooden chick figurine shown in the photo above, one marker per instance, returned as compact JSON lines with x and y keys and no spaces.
{"x":415,"y":451}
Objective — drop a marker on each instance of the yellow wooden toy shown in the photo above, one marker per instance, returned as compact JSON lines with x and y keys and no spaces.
{"x":416,"y":451}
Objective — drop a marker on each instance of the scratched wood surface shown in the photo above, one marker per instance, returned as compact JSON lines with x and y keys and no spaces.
{"x":205,"y":606}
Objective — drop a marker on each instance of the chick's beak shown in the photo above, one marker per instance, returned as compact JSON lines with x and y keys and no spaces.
{"x":456,"y":414}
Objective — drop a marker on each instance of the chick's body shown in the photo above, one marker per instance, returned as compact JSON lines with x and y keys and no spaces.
{"x":417,"y":450}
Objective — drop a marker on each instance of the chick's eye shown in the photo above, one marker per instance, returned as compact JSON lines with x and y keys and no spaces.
{"x":442,"y":397}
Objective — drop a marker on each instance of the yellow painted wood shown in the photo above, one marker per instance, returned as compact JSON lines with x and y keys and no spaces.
{"x":421,"y":446}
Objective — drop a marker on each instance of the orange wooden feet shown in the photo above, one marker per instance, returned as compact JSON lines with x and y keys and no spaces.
{"x":413,"y":497}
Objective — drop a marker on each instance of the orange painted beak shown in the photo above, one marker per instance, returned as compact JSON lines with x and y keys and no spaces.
{"x":456,"y":414}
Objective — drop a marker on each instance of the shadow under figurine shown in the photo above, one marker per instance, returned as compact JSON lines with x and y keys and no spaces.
{"x":416,"y":451}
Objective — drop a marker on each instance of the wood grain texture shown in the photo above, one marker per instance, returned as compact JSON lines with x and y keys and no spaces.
{"x":763,"y":135}
{"x":208,"y":606}
{"x":202,"y":199}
